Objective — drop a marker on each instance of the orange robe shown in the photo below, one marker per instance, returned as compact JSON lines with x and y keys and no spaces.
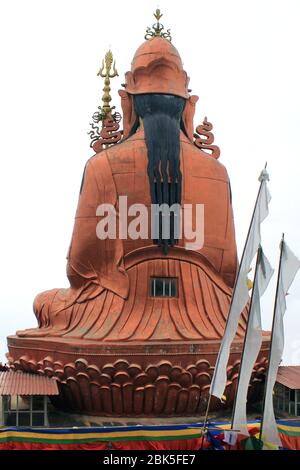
{"x":109,"y":298}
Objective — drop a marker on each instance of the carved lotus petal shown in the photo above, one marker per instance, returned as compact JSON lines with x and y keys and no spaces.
{"x":186,"y":379}
{"x":121,"y":364}
{"x":152,"y":372}
{"x":141,"y":380}
{"x":81,"y":364}
{"x":202,"y":365}
{"x":121,"y":377}
{"x":134,"y":369}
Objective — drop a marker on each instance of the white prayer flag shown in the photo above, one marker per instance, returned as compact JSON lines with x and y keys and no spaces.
{"x":289,"y":266}
{"x":240,"y":295}
{"x":230,"y":437}
{"x":252,"y":342}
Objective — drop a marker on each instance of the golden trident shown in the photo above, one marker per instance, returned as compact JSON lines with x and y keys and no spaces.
{"x":106,"y":98}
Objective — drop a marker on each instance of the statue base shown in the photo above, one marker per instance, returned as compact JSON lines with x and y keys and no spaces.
{"x":133,"y":379}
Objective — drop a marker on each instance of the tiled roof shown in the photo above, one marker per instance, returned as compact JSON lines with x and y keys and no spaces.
{"x":289,"y":376}
{"x":21,"y":383}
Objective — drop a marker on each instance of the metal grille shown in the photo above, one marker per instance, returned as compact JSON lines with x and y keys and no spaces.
{"x":163,"y":287}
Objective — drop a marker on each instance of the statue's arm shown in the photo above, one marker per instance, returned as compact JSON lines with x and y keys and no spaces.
{"x":82,"y":256}
{"x":95,"y":262}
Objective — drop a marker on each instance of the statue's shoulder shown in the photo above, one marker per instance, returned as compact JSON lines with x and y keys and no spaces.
{"x":201,"y":163}
{"x":122,"y":156}
{"x":97,"y":161}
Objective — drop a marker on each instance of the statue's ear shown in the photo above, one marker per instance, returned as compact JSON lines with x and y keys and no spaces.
{"x":129,"y":116}
{"x":188,"y":116}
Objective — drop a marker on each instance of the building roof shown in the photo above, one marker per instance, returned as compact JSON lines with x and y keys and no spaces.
{"x":21,"y":383}
{"x":289,"y":376}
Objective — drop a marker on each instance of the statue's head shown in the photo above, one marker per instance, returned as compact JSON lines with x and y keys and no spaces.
{"x":157,"y":68}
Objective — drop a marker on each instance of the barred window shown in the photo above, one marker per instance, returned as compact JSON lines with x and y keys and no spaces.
{"x":163,"y":287}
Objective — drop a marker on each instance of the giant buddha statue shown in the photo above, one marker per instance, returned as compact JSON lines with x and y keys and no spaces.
{"x":139,"y":328}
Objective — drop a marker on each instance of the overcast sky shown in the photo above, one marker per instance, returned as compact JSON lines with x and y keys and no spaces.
{"x":243,"y":60}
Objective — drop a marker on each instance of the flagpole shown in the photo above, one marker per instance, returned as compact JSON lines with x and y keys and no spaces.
{"x":236,"y":278}
{"x":205,"y":421}
{"x":272,"y":336}
{"x":258,"y":259}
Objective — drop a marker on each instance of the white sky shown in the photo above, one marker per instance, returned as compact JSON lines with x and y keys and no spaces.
{"x":243,"y":60}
